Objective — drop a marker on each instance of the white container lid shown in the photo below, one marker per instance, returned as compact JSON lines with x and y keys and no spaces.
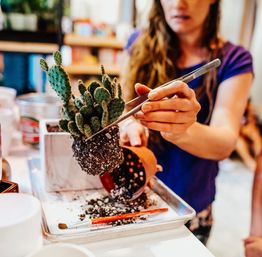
{"x":20,"y":224}
{"x":16,"y":208}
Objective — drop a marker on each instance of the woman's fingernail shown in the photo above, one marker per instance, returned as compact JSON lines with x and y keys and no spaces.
{"x":139,"y":115}
{"x":152,"y":94}
{"x":146,"y":108}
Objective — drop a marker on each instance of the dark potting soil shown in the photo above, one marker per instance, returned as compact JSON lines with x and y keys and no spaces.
{"x":130,"y":176}
{"x":53,"y":128}
{"x":99,"y":154}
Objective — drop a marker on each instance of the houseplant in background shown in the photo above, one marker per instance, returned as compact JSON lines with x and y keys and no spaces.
{"x":98,"y":105}
{"x":19,"y":15}
{"x":47,"y":12}
{"x":14,"y":18}
{"x":30,"y":15}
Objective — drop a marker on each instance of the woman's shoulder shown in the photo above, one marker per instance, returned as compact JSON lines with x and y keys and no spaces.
{"x":235,"y":59}
{"x":231,"y":51}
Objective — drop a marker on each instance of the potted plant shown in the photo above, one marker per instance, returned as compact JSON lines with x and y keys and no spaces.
{"x":99,"y":105}
{"x":125,"y":170}
{"x":23,"y":14}
{"x":20,"y":15}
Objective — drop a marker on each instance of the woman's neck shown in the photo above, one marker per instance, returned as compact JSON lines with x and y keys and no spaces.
{"x":192,"y":52}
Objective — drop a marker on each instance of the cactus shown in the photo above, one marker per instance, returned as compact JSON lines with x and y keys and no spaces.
{"x":81,"y":87}
{"x":95,"y":124}
{"x":92,"y":87}
{"x":78,"y":103}
{"x":86,"y":112}
{"x":115,"y":107}
{"x":98,"y":105}
{"x":88,"y":99}
{"x":63,"y":124}
{"x":58,"y":78}
{"x":101,"y":94}
{"x":98,"y":110}
{"x":105,"y":115}
{"x":68,"y":114}
{"x":106,"y":80}
{"x":73,"y":129}
{"x":44,"y":65}
{"x":87,"y":131}
{"x":79,"y":120}
{"x":119,"y":90}
{"x":58,"y":58}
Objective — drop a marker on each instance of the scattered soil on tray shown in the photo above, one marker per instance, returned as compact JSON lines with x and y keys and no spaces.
{"x":115,"y":204}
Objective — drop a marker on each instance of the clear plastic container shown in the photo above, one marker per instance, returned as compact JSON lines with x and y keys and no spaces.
{"x":33,"y":107}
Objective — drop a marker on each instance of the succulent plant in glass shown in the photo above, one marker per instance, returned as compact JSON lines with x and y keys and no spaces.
{"x":99,"y":104}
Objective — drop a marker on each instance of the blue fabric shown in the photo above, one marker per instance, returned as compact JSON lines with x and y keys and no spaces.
{"x":191,"y":177}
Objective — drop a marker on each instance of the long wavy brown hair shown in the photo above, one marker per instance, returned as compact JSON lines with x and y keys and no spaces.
{"x":154,"y":55}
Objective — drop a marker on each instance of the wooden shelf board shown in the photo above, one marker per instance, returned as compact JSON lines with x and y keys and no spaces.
{"x":92,"y":69}
{"x":93,"y":41}
{"x":29,"y":36}
{"x":44,"y":48}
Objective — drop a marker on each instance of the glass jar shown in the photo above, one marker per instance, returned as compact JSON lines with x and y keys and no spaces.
{"x":6,"y":170}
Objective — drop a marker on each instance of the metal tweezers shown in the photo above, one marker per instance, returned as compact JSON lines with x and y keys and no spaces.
{"x":137,"y":102}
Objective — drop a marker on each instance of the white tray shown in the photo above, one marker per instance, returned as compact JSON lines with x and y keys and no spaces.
{"x":65,"y":207}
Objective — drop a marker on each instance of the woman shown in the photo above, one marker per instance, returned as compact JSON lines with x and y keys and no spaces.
{"x":188,"y":142}
{"x":253,"y":244}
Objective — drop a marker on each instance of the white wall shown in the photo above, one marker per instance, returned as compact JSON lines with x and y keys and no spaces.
{"x":231,"y":19}
{"x":142,"y":9}
{"x":98,"y":10}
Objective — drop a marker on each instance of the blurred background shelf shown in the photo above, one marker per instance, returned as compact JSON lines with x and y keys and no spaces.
{"x":27,"y":47}
{"x":29,"y":36}
{"x":91,"y":69}
{"x":93,"y":41}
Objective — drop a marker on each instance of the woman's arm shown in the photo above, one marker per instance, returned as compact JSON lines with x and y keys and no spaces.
{"x":175,"y":118}
{"x":256,"y":216}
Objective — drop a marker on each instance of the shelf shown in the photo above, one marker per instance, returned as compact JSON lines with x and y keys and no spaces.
{"x":21,"y":47}
{"x":93,"y":41}
{"x":92,"y":69}
{"x":29,"y":36}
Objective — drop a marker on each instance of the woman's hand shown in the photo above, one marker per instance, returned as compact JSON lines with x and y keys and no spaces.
{"x":131,"y":131}
{"x":253,"y":246}
{"x":171,"y":110}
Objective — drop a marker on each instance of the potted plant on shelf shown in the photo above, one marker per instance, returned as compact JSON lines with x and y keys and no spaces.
{"x":19,"y":14}
{"x":28,"y":15}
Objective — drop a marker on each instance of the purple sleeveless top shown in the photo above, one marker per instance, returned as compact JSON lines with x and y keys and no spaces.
{"x":189,"y":176}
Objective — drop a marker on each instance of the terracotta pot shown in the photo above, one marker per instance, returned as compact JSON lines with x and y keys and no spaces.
{"x":148,"y":159}
{"x":139,"y":166}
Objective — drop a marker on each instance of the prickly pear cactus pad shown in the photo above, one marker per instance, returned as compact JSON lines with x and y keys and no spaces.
{"x":99,"y":104}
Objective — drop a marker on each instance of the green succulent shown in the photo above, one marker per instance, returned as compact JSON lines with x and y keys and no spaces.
{"x":99,"y":104}
{"x":58,"y":78}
